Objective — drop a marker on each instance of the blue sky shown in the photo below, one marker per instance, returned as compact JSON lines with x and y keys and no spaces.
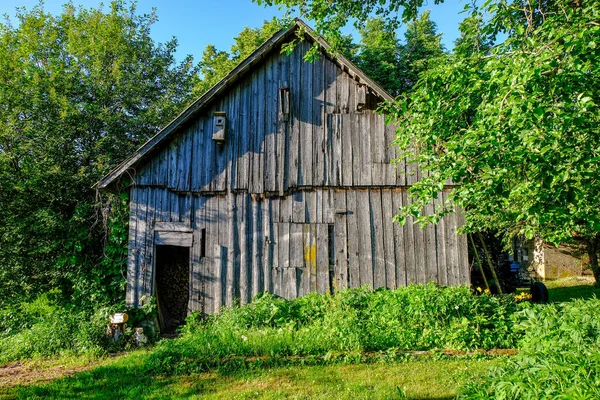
{"x":202,"y":22}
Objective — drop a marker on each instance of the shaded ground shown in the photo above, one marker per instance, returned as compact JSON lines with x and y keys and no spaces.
{"x":575,"y":287}
{"x":39,"y":372}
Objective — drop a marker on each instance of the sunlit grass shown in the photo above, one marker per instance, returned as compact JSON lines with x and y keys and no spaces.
{"x":121,"y":378}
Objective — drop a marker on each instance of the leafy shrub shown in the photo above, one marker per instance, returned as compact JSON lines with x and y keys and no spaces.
{"x":45,"y":328}
{"x":351,"y":321}
{"x":559,"y":357}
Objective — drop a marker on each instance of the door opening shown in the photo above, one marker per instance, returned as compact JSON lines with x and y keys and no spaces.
{"x":172,"y":286}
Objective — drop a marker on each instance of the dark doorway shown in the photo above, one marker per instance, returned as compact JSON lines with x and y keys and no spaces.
{"x":172,"y":286}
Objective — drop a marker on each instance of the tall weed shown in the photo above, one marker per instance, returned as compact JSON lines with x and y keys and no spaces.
{"x":559,"y":358}
{"x":352,"y":321}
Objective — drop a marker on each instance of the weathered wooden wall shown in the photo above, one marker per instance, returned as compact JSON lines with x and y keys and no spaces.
{"x":321,"y":240}
{"x":287,"y":205}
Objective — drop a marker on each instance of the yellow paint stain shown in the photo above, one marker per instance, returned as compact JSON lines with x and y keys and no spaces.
{"x":310,"y":257}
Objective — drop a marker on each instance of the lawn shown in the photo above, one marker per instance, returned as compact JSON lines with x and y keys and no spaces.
{"x":121,"y":377}
{"x":574,"y":287}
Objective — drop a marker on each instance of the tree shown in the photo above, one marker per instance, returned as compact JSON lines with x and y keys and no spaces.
{"x":79,"y":91}
{"x":378,"y":54}
{"x":215,"y":64}
{"x":422,"y":47}
{"x":516,"y":125}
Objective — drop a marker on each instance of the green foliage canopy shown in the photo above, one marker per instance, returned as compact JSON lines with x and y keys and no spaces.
{"x":79,"y":91}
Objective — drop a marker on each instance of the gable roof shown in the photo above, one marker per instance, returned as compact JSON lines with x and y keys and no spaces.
{"x":259,"y":54}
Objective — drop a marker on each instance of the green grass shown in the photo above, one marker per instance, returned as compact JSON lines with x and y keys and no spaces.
{"x":123,"y":377}
{"x":571,"y":288}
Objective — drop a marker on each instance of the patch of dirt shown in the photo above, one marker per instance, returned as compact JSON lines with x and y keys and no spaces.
{"x":19,"y":373}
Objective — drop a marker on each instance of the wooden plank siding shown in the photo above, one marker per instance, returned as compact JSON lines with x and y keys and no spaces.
{"x":289,"y":206}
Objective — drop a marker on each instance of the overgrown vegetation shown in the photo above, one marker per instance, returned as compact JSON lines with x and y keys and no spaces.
{"x":351,"y":322}
{"x":559,"y":357}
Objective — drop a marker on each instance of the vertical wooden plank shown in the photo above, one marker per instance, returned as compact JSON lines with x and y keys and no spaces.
{"x":306,"y":109}
{"x":348,"y":133}
{"x":283,"y":136}
{"x":298,"y":207}
{"x":243,"y":136}
{"x":284,"y":259}
{"x":399,"y":248}
{"x":409,"y":246}
{"x":353,"y":239}
{"x":173,"y":206}
{"x":334,"y":150}
{"x":463,"y":256}
{"x":222,"y":246}
{"x":198,"y":278}
{"x":198,"y":155}
{"x":172,"y":149}
{"x":148,"y":270}
{"x":210,"y":149}
{"x":258,"y":109}
{"x":318,"y":115}
{"x":330,"y":99}
{"x":268,"y":244}
{"x":132,"y":248}
{"x":358,"y":149}
{"x":440,"y":234}
{"x":144,"y":174}
{"x":296,"y":262}
{"x":322,"y":258}
{"x":256,"y":245}
{"x":452,"y":263}
{"x":140,"y":242}
{"x":366,"y":126}
{"x":420,"y":258}
{"x":213,"y":249}
{"x":285,"y":209}
{"x":392,"y":176}
{"x":309,"y":283}
{"x":431,"y":272}
{"x":320,"y":195}
{"x":388,"y":238}
{"x":310,"y":207}
{"x":275,"y":280}
{"x":378,"y":161}
{"x":341,"y":240}
{"x":232,"y":249}
{"x":244,"y":216}
{"x":233,"y":134}
{"x":379,"y":278}
{"x":365,"y":237}
{"x":295,"y":118}
{"x":271,"y":115}
{"x":344,"y":91}
{"x":184,"y":155}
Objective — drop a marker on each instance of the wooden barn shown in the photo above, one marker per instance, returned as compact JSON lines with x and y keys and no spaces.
{"x":278,"y":179}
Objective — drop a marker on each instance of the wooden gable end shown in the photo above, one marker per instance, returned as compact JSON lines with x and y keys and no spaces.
{"x":328,"y":135}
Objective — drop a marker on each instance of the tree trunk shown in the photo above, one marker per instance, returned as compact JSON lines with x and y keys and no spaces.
{"x":539,"y":262}
{"x":592,"y":250}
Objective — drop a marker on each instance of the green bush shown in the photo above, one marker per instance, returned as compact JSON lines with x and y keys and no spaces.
{"x":352,"y":321}
{"x":559,"y":357}
{"x":45,"y":328}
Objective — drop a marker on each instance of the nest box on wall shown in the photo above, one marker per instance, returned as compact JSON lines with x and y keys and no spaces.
{"x":219,"y":126}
